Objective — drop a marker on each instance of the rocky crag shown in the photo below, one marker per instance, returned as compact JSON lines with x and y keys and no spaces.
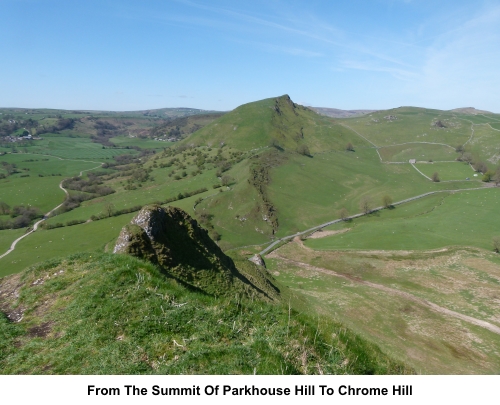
{"x":173,"y":240}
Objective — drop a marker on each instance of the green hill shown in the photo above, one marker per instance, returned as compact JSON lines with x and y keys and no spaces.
{"x":277,"y":122}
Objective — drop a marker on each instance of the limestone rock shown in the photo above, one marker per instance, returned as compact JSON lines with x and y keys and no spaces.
{"x":258,"y":260}
{"x":170,"y":238}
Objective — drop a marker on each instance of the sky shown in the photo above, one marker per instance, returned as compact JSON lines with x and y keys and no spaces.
{"x":216,"y":55}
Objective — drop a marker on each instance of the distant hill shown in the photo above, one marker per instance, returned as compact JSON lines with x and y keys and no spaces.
{"x":470,"y":110}
{"x":154,"y":113}
{"x":178,"y":128}
{"x":336,"y":113}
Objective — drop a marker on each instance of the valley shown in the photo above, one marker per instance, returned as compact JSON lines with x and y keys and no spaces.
{"x":416,"y":277}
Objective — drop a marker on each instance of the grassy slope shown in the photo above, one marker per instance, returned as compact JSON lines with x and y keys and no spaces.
{"x":412,"y":125}
{"x":449,"y":171}
{"x":44,"y":191}
{"x":420,"y":152}
{"x":332,"y":181}
{"x":7,"y":236}
{"x":113,"y":314}
{"x":47,"y":244}
{"x":431,"y":342}
{"x":463,"y":219}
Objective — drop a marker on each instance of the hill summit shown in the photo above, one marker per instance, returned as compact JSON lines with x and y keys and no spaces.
{"x":171,"y":239}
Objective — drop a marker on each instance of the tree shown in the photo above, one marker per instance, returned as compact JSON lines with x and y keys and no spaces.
{"x":460,"y":149}
{"x":109,"y":209}
{"x":496,"y":177}
{"x":496,"y":244}
{"x":343,"y":214}
{"x":488,"y":176}
{"x":303,"y":150}
{"x":435,"y":177}
{"x":387,"y":201}
{"x":349,"y":147}
{"x":226,"y":180}
{"x":480,"y":167}
{"x":4,"y":208}
{"x":365,"y":204}
{"x":467,"y":157}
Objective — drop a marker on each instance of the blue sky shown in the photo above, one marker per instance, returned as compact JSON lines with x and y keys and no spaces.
{"x":129,"y":55}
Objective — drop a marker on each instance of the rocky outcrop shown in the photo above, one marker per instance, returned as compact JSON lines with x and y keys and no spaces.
{"x":172,"y":239}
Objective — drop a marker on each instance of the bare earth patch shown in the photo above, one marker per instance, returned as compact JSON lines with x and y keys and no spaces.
{"x":323,"y":234}
{"x":9,"y":292}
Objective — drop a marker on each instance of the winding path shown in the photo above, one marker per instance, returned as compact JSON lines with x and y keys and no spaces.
{"x":35,"y":226}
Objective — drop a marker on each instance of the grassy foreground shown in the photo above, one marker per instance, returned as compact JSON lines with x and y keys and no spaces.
{"x":114,"y":314}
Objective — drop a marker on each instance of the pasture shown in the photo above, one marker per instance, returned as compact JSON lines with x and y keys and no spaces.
{"x":74,"y":148}
{"x":438,"y":221}
{"x":41,"y":192}
{"x":124,"y":141}
{"x":41,"y":188}
{"x":410,"y":124}
{"x":449,"y":171}
{"x":7,"y":236}
{"x":329,"y":182}
{"x":418,"y":151}
{"x":485,"y":145}
{"x":60,"y":242}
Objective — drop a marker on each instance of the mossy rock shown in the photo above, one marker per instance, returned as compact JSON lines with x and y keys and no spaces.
{"x":170,"y":238}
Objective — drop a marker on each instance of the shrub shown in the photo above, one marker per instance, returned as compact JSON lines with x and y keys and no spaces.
{"x":303,"y":150}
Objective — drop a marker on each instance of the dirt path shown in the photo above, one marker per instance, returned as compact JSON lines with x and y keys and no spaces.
{"x":323,"y":234}
{"x":393,"y":291}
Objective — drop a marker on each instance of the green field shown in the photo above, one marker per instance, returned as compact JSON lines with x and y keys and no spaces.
{"x":476,"y":119}
{"x":43,"y":192}
{"x":449,"y":171}
{"x":35,"y":165}
{"x":43,"y":245}
{"x":41,"y":188}
{"x":333,"y":181}
{"x":437,"y":221}
{"x":420,"y":152}
{"x":485,"y":145}
{"x":411,"y":125}
{"x":74,"y":148}
{"x":7,"y":236}
{"x":124,"y":141}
